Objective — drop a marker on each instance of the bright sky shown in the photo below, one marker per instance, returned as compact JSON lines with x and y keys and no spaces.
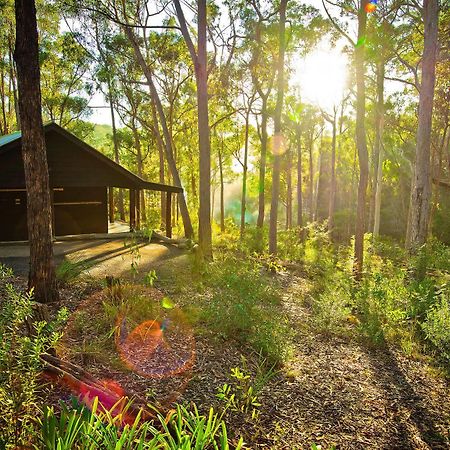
{"x":321,"y":76}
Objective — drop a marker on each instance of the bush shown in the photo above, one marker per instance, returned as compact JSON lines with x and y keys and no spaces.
{"x":437,"y":324}
{"x":20,"y":365}
{"x":78,"y":428}
{"x":244,"y":305}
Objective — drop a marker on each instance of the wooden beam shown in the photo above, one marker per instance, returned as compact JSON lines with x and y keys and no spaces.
{"x":137,"y":194}
{"x":132,"y":210}
{"x":111,"y":204}
{"x":169,"y":214}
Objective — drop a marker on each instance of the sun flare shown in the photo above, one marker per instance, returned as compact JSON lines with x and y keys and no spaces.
{"x":322,"y":77}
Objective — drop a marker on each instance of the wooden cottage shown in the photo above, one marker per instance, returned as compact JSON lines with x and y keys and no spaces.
{"x":80,"y":178}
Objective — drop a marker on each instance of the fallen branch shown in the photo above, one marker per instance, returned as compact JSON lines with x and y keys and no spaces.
{"x":84,"y":385}
{"x":180,"y":242}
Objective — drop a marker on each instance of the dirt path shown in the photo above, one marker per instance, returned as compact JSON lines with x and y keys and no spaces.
{"x":343,"y":393}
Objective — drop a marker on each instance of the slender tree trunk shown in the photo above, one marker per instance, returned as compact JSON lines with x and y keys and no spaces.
{"x":116,"y":149}
{"x":332,"y":199}
{"x":222,"y":202}
{"x":39,"y":210}
{"x":244,"y":175}
{"x":199,"y":59}
{"x":262,"y":165}
{"x":311,"y":178}
{"x":318,"y":184}
{"x":205,"y":236}
{"x":378,"y":149}
{"x":12,"y":72}
{"x":299,"y":179}
{"x":188,"y":230}
{"x":278,"y":138}
{"x":420,"y":200}
{"x":140,"y":169}
{"x":160,"y":146}
{"x":361,"y":142}
{"x":289,"y":190}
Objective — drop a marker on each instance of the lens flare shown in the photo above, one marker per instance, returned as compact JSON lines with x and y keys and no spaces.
{"x":278,"y":144}
{"x":370,"y":7}
{"x":154,"y":349}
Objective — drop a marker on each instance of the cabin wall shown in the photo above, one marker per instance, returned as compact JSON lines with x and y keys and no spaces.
{"x":76,"y":210}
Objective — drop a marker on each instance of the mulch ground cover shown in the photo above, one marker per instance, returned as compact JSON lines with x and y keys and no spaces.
{"x":335,"y":391}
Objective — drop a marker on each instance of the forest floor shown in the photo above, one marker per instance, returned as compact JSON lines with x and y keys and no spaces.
{"x":335,"y":391}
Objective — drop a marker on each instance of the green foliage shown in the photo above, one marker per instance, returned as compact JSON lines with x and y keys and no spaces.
{"x":22,"y":341}
{"x":437,"y":324}
{"x":244,"y":305}
{"x":183,"y":428}
{"x":68,"y":271}
{"x":241,"y":394}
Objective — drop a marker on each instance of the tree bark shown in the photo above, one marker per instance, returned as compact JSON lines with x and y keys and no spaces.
{"x":204,"y":217}
{"x":361,"y":142}
{"x":278,"y":144}
{"x":188,"y":230}
{"x":378,"y":149}
{"x":244,"y":175}
{"x":160,"y":146}
{"x":289,"y":190}
{"x":332,"y":199}
{"x":222,"y":203}
{"x":262,"y":165}
{"x":420,"y":199}
{"x":39,"y":210}
{"x":299,"y":179}
{"x":311,"y":177}
{"x":120,"y":206}
{"x":199,"y":59}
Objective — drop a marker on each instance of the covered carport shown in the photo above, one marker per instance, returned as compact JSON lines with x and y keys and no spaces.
{"x":82,"y":181}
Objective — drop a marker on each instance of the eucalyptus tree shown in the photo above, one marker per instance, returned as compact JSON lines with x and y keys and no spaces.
{"x":357,"y":11}
{"x":420,"y":201}
{"x":41,"y":278}
{"x":65,"y":90}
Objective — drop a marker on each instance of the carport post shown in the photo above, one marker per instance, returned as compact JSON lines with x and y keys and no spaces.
{"x":169,"y":214}
{"x":132,"y":210}
{"x":111,"y":204}
{"x":137,"y":195}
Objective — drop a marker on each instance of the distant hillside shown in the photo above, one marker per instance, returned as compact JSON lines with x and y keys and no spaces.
{"x":101,"y":138}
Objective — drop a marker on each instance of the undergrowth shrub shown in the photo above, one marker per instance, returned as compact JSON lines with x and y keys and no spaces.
{"x":244,"y":304}
{"x":22,"y":341}
{"x":78,"y":428}
{"x":437,"y":324}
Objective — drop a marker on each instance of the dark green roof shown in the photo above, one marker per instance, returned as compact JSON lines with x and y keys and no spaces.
{"x":7,"y":138}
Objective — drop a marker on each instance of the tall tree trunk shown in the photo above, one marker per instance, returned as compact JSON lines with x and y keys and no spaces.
{"x":278,"y":138}
{"x":12,"y":72}
{"x":116,"y":148}
{"x":332,"y":199}
{"x":244,"y":175}
{"x":318,"y":184}
{"x":188,"y":230}
{"x":289,"y":190}
{"x":262,"y":164}
{"x":378,"y":149}
{"x":160,"y":146}
{"x":39,"y":211}
{"x":420,"y":200}
{"x":140,"y":169}
{"x":204,"y":218}
{"x":222,"y":202}
{"x":361,"y":142}
{"x":311,"y":177}
{"x":299,"y":179}
{"x":199,"y":59}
